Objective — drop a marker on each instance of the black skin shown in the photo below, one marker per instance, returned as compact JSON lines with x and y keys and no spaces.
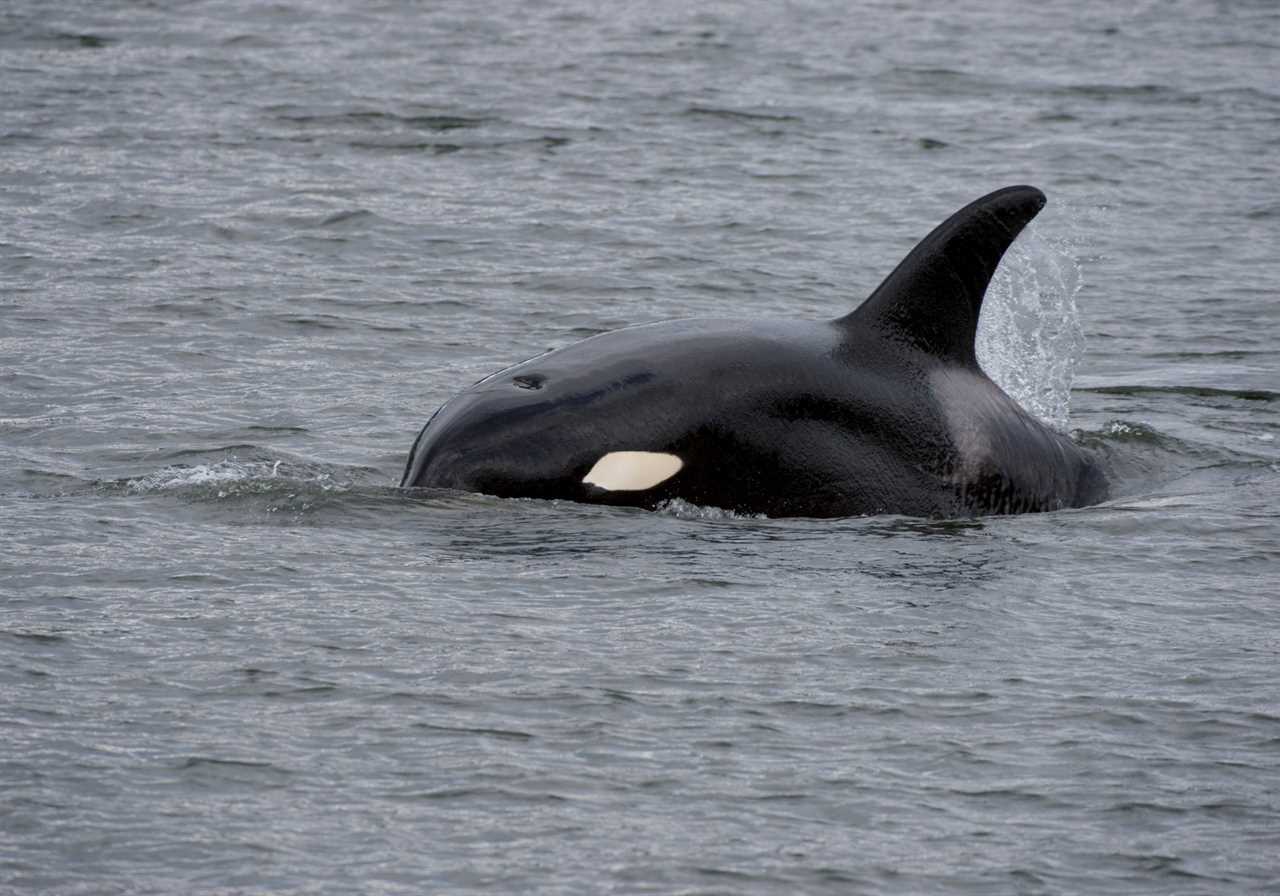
{"x":882,"y":411}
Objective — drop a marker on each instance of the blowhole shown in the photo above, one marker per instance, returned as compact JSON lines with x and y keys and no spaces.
{"x":528,"y":381}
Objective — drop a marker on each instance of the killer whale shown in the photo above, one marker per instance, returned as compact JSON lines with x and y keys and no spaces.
{"x":883,"y":410}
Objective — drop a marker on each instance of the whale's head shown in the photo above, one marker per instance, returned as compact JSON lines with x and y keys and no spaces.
{"x":532,"y":429}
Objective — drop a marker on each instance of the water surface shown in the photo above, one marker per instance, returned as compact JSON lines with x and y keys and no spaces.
{"x":247,"y":249}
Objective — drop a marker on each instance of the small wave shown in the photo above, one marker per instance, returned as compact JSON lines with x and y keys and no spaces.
{"x":465,"y":731}
{"x":287,"y":489}
{"x":1136,"y":450}
{"x":937,"y":81}
{"x":1145,"y":466}
{"x":34,"y":637}
{"x":394,"y":146}
{"x":181,"y":476}
{"x":203,"y":761}
{"x":249,"y":40}
{"x":425,"y":122}
{"x":345,"y":216}
{"x":1188,"y":391}
{"x":83,"y":41}
{"x":224,"y":772}
{"x":1131,"y":92}
{"x":741,"y":114}
{"x":682,"y":509}
{"x":1123,"y":431}
{"x":233,"y":477}
{"x":443,"y":122}
{"x":312,"y":321}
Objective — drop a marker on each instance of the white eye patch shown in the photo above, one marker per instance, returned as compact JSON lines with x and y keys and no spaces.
{"x":632,"y":471}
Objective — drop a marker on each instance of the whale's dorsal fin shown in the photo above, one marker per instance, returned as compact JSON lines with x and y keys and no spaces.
{"x":934,"y":296}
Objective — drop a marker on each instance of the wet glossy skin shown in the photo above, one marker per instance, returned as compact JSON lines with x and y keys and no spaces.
{"x":782,"y":418}
{"x":882,"y":411}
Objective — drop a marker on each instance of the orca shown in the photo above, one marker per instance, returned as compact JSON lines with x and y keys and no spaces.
{"x":882,"y":411}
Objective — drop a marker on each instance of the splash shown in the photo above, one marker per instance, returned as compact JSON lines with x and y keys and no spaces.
{"x":232,"y":477}
{"x":221,"y":473}
{"x":682,"y":509}
{"x":1029,"y":338}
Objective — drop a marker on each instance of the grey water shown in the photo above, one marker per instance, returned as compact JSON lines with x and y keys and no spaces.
{"x":246,"y":249}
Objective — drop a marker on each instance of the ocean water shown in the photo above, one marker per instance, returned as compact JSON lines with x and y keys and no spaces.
{"x":245,"y":251}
